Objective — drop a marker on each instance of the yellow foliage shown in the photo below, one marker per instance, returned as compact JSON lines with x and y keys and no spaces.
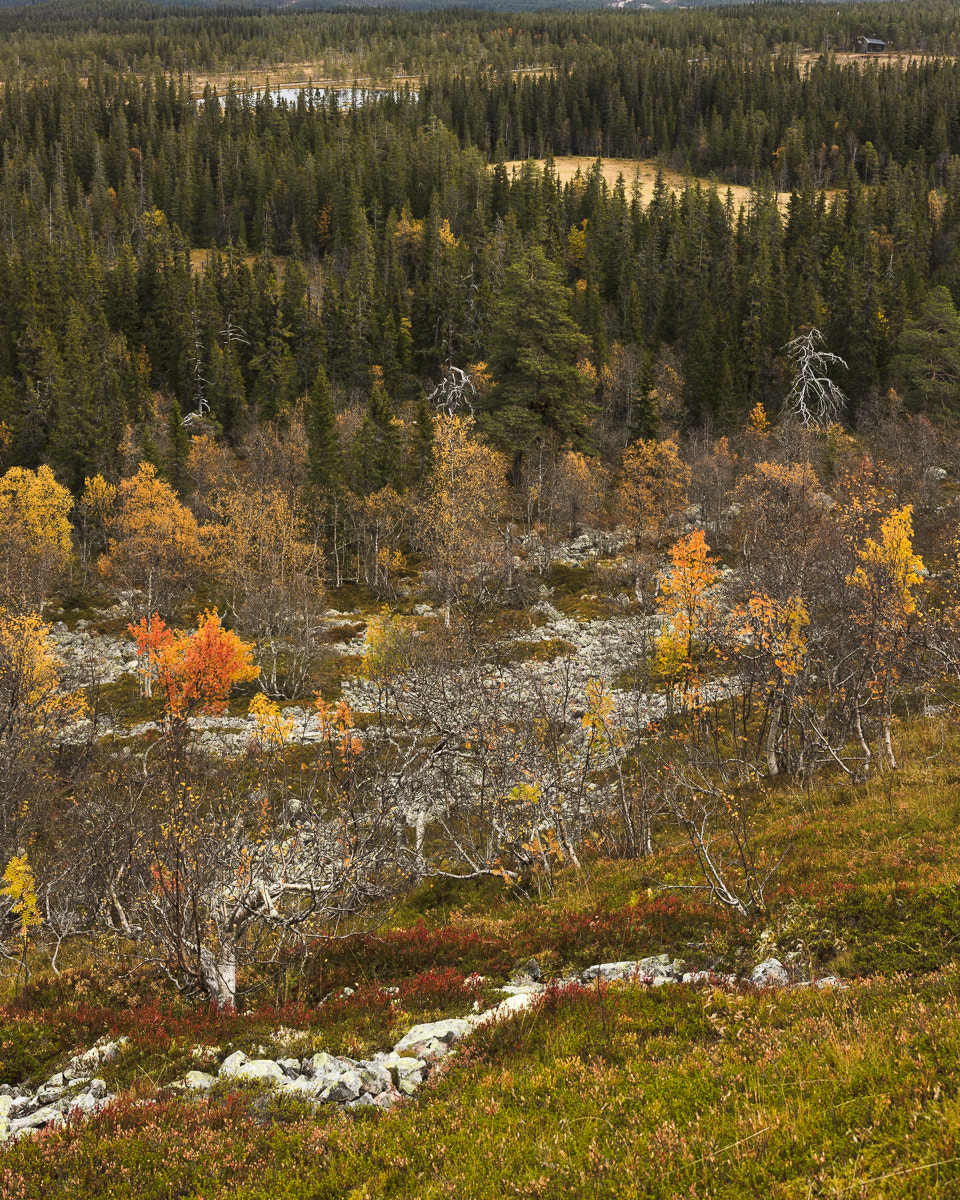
{"x":758,"y":420}
{"x":578,"y":486}
{"x":20,"y":886}
{"x":465,"y":495}
{"x":889,"y":568}
{"x":271,"y":729}
{"x":687,"y":604}
{"x":35,"y":517}
{"x":31,"y":677}
{"x":154,"y":543}
{"x":651,"y":487}
{"x":480,"y":377}
{"x":387,"y":646}
{"x":98,"y":498}
{"x":775,"y":629}
{"x":409,"y":233}
{"x":260,"y":535}
{"x":588,"y":372}
{"x":576,"y":252}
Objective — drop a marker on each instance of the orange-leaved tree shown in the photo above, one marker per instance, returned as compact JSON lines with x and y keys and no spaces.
{"x":194,"y":670}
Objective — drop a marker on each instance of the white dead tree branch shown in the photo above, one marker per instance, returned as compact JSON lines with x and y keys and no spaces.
{"x":814,"y":398}
{"x":454,"y":393}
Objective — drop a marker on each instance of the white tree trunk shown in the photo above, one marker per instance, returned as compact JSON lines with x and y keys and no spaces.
{"x":219,"y":974}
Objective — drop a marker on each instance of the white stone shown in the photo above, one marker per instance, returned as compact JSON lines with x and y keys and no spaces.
{"x":257,"y":1070}
{"x":770,"y":973}
{"x":445,"y":1033}
{"x":199,"y":1081}
{"x":506,"y":1008}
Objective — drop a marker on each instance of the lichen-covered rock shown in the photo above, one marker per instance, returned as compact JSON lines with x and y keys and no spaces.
{"x":611,"y":970}
{"x":434,"y":1037}
{"x":257,"y":1070}
{"x":406,"y":1072}
{"x":657,"y":970}
{"x":344,"y":1089}
{"x":374,"y":1078}
{"x":50,"y":1114}
{"x":301,"y":1088}
{"x":321,"y":1064}
{"x":770,"y":973}
{"x":198,"y":1081}
{"x":232,"y":1063}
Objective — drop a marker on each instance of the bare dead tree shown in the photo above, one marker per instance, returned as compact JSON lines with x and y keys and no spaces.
{"x":454,"y":393}
{"x":814,"y":398}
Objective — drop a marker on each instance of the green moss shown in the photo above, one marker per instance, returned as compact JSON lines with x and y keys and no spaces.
{"x":349,"y":596}
{"x":570,"y":581}
{"x":544,"y":651}
{"x":906,"y":930}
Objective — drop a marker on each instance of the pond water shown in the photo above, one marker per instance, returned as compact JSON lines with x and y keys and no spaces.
{"x":347,"y":97}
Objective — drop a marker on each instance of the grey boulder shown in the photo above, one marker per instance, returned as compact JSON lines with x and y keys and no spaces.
{"x":770,"y":973}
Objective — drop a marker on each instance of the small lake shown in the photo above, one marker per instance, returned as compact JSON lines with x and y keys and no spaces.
{"x":346,"y":97}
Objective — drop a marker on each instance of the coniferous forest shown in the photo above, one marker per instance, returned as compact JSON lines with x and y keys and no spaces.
{"x":384,"y":234}
{"x":480,"y":496}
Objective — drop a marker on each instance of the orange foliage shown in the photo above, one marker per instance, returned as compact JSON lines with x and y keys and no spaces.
{"x":690,"y":610}
{"x":196,"y":669}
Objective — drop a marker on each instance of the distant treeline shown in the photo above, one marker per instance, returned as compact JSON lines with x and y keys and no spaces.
{"x":399,"y":224}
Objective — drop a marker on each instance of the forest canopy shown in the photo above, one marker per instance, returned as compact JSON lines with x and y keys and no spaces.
{"x":178,"y":245}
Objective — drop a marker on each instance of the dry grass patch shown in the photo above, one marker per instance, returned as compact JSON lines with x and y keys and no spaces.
{"x":644,"y":172}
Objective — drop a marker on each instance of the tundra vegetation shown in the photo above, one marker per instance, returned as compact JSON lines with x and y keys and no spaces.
{"x":412,"y":567}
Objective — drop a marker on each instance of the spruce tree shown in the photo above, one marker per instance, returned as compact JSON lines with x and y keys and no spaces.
{"x":644,"y":418}
{"x":178,"y":449}
{"x":535,"y":347}
{"x":326,"y":458}
{"x":376,"y":450}
{"x":422,"y":457}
